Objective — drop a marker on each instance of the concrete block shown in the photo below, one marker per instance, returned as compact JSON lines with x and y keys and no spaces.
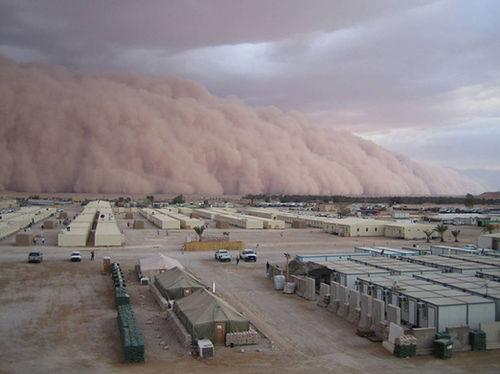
{"x":334,"y":306}
{"x":324,"y":295}
{"x":378,"y":312}
{"x":395,"y":333}
{"x":343,"y":310}
{"x":310,"y":288}
{"x":333,"y":290}
{"x":381,"y":330}
{"x":425,"y":339}
{"x":354,"y":309}
{"x":492,"y":330}
{"x":342,"y":294}
{"x":460,"y":337}
{"x":394,"y":314}
{"x":365,"y":305}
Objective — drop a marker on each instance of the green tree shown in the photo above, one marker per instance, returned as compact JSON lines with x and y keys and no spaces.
{"x":428,"y":234}
{"x":179,"y":199}
{"x":441,"y":229}
{"x":199,"y":230}
{"x":455,"y":234}
{"x":469,"y":201}
{"x":151,"y":199}
{"x":343,"y":211}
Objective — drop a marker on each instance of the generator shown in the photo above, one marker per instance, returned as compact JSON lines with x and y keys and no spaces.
{"x":205,"y":348}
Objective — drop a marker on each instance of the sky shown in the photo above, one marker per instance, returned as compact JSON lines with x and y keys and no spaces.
{"x":421,"y":78}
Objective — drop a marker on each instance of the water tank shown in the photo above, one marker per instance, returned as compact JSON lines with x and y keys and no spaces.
{"x":289,"y":287}
{"x":279,"y":282}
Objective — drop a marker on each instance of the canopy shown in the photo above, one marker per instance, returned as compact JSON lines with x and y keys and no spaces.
{"x":157,"y":263}
{"x":174,"y":283}
{"x":200,"y":311}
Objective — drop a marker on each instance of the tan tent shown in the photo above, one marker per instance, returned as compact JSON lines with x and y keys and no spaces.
{"x":149,"y":266}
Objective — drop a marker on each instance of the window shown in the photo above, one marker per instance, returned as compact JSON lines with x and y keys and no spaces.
{"x":357,"y":229}
{"x":367,"y":229}
{"x":376,"y":229}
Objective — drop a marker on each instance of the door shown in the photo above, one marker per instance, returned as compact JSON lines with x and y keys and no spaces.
{"x":220,"y":333}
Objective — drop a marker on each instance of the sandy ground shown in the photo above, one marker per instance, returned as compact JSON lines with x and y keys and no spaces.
{"x":59,"y":317}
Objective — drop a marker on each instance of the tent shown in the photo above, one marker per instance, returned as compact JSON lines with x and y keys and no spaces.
{"x":152,"y":265}
{"x":176,"y":283}
{"x":207,"y":316}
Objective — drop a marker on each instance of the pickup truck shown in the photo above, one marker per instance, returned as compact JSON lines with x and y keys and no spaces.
{"x":222,"y":255}
{"x":35,"y":257}
{"x":248,"y":255}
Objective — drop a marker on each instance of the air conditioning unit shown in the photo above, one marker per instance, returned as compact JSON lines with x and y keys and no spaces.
{"x":205,"y":348}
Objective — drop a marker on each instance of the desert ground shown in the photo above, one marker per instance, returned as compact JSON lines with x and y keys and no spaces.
{"x":59,"y":317}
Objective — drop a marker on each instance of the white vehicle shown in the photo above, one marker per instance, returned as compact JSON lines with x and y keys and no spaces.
{"x":222,"y":255}
{"x":75,"y":257}
{"x":248,"y":255}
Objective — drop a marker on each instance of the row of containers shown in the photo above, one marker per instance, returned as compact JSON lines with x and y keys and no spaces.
{"x":96,"y":225}
{"x":424,"y":293}
{"x":12,"y":222}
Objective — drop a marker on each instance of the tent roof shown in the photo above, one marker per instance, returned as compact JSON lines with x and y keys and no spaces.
{"x":159,"y":262}
{"x":204,"y":307}
{"x":178,"y":278}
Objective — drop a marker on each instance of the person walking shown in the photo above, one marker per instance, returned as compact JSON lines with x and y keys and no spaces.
{"x":237,"y":260}
{"x":43,"y":241}
{"x":267,"y":266}
{"x":92,"y":255}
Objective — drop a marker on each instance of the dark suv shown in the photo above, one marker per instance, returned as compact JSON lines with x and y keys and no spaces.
{"x":35,"y":257}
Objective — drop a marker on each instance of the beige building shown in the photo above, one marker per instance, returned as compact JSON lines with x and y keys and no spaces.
{"x":490,"y":241}
{"x":160,"y":219}
{"x":240,"y":221}
{"x":355,"y":226}
{"x":409,"y":231}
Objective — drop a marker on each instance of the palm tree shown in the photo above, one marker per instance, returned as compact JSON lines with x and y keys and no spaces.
{"x":455,"y":234}
{"x":199,"y":230}
{"x":441,"y":229}
{"x":428,"y":234}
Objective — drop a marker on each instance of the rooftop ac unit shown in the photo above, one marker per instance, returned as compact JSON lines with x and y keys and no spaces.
{"x":205,"y":348}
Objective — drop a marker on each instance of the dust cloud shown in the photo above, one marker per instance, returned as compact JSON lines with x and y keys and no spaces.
{"x":71,"y":131}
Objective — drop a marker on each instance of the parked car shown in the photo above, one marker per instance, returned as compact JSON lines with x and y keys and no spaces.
{"x":35,"y":257}
{"x":248,"y":255}
{"x":75,"y":257}
{"x":223,"y":256}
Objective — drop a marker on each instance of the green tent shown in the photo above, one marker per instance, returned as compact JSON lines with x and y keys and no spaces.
{"x":176,"y":283}
{"x":207,"y":316}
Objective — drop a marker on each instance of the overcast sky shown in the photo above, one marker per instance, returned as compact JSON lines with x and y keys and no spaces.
{"x":418,"y":77}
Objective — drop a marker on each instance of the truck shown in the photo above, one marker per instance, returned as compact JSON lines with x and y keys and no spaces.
{"x":248,"y":255}
{"x":222,"y":255}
